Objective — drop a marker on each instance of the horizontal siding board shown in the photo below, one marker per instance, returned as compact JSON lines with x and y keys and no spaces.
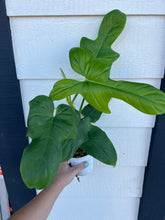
{"x":117,"y":118}
{"x":82,"y":7}
{"x":132,"y":147}
{"x":41,"y":46}
{"x":107,"y":182}
{"x":124,"y":115}
{"x":95,"y":209}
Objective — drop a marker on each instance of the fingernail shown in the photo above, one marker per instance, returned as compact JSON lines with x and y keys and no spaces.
{"x":86,"y":164}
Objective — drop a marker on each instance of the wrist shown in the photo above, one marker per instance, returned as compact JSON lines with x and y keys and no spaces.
{"x":59,"y":183}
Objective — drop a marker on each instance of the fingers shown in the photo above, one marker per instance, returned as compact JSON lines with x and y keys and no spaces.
{"x":80,"y":167}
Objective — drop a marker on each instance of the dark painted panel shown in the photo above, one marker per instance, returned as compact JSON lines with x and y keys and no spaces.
{"x":12,"y":127}
{"x":152,"y":205}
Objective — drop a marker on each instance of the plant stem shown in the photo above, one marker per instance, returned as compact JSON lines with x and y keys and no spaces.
{"x":70,"y":102}
{"x":81,"y":105}
{"x":63,"y":74}
{"x":75,"y":96}
{"x":68,"y":99}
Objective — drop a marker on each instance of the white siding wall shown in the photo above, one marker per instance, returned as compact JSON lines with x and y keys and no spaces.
{"x":42,"y":34}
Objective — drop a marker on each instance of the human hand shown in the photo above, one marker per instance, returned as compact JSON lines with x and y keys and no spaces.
{"x":66,"y":172}
{"x":40,"y":206}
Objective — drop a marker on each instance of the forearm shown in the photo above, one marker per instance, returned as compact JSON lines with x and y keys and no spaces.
{"x":40,"y":207}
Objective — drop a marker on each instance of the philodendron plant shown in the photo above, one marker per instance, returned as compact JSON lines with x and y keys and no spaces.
{"x":56,"y":138}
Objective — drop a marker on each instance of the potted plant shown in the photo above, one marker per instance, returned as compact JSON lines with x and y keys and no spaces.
{"x":60,"y":132}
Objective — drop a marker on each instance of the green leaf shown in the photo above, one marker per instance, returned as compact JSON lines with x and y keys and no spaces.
{"x":99,"y":146}
{"x":40,"y":162}
{"x":90,"y":112}
{"x":70,"y":146}
{"x":80,"y":60}
{"x":91,"y":93}
{"x":95,"y":57}
{"x":66,"y":117}
{"x":144,"y":97}
{"x":93,"y":60}
{"x":41,"y":159}
{"x":41,"y":110}
{"x":112,"y":25}
{"x":83,"y":63}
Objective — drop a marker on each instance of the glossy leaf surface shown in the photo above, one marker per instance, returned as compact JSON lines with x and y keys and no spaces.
{"x":144,"y":97}
{"x":83,"y":63}
{"x":91,"y":113}
{"x":40,"y":162}
{"x":99,"y":146}
{"x":93,"y":60}
{"x":110,"y":28}
{"x":70,"y":146}
{"x":41,"y":159}
{"x":41,"y":110}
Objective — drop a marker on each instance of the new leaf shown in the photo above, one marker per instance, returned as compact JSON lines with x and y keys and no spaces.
{"x":112,"y":25}
{"x":93,"y":60}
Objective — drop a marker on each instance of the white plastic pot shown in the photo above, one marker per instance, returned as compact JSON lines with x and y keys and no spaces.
{"x":76,"y":161}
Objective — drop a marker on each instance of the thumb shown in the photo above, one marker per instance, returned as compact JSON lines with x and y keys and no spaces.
{"x":80,"y":167}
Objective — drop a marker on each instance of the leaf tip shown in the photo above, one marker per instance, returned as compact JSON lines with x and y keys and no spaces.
{"x":114,"y":163}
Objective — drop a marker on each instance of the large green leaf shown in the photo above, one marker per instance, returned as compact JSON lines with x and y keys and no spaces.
{"x":93,"y":94}
{"x":111,"y":27}
{"x":99,"y":146}
{"x":91,"y":113}
{"x":41,"y":110}
{"x":95,"y":57}
{"x":93,"y":60}
{"x":40,"y":162}
{"x":70,"y":146}
{"x":144,"y":97}
{"x":83,"y":63}
{"x":41,"y":159}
